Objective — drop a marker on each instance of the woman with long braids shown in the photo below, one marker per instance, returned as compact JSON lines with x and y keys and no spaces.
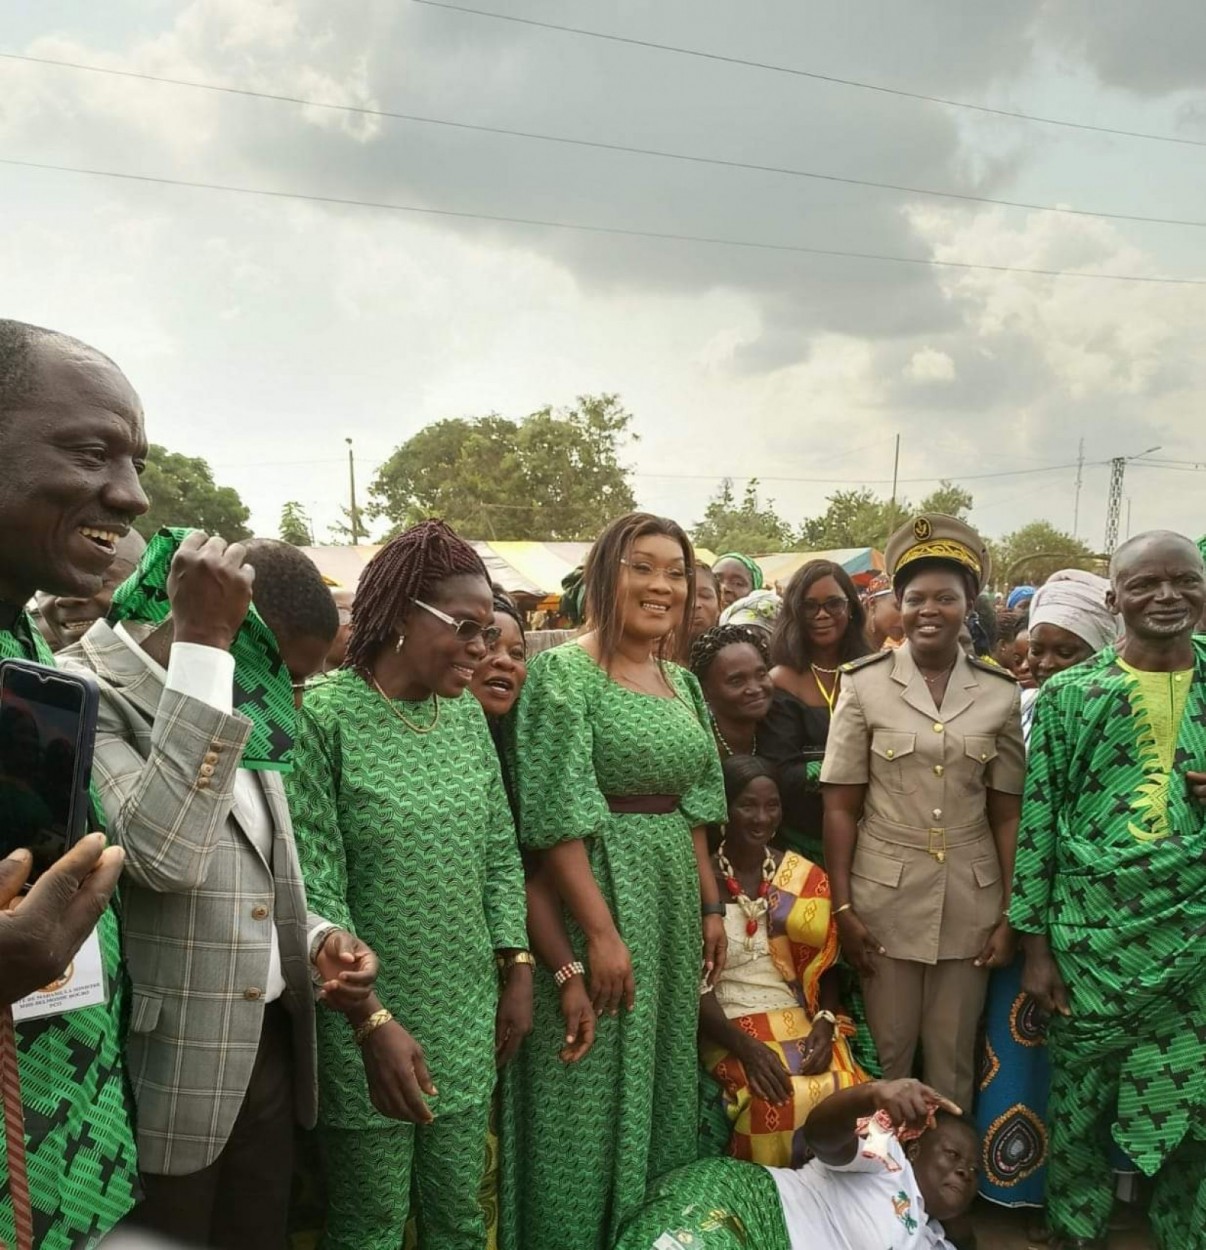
{"x":821,"y":627}
{"x":617,"y":778}
{"x":405,"y":835}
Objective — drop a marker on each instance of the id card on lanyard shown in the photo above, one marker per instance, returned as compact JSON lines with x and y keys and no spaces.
{"x":81,"y":984}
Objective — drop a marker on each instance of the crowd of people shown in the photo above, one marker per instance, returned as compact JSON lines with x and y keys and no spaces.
{"x":789,"y":917}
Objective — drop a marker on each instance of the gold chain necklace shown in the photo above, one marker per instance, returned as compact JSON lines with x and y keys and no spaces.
{"x":397,"y":711}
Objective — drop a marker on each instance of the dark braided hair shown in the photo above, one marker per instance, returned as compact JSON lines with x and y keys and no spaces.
{"x":408,"y":567}
{"x":508,"y":607}
{"x":712,"y":642}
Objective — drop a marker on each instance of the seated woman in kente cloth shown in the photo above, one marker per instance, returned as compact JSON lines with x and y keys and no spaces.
{"x":892,"y":1159}
{"x":770,"y":1034}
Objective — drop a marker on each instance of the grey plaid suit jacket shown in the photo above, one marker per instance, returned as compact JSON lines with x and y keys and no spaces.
{"x":197,"y":898}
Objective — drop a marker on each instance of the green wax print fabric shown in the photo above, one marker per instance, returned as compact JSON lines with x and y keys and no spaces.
{"x":1111,"y":865}
{"x":580,"y":1142}
{"x":263,"y":689}
{"x":406,"y":840}
{"x":715,"y":1204}
{"x":81,"y":1157}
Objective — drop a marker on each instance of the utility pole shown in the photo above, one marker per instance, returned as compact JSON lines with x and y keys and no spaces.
{"x":353,"y":515}
{"x":895,"y":477}
{"x":1080,"y":473}
{"x":1114,"y":501}
{"x":1128,"y":516}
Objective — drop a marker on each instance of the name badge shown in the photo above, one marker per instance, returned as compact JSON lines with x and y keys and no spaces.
{"x":82,"y":984}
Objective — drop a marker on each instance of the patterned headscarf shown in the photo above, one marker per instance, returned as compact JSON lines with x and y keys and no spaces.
{"x":751,"y":567}
{"x":263,"y":689}
{"x":761,"y":608}
{"x":1076,"y":601}
{"x":1202,"y":546}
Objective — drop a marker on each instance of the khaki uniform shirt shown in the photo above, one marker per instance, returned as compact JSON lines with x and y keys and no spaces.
{"x":926,"y":878}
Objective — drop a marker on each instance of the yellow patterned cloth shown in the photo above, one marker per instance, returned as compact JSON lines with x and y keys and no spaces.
{"x":803,"y":947}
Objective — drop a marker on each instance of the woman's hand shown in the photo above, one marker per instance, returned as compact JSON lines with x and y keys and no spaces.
{"x":817,"y":1051}
{"x":513,"y":1020}
{"x":1000,"y":948}
{"x":579,"y":1016}
{"x":768,"y":1078}
{"x":859,"y":944}
{"x":611,"y":979}
{"x":397,"y":1074}
{"x":715,"y":948}
{"x":908,"y":1103}
{"x":1041,"y":979}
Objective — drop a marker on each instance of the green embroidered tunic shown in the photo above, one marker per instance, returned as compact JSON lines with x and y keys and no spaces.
{"x":82,"y":1162}
{"x":1111,"y":866}
{"x":581,"y":1142}
{"x":406,"y":840}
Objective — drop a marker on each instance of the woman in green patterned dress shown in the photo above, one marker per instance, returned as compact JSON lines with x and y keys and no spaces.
{"x":405,"y":834}
{"x":617,"y":777}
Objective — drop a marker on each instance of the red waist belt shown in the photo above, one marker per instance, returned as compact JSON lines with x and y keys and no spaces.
{"x":643,"y":804}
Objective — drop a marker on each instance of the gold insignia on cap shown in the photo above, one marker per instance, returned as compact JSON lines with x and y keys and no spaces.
{"x":922,"y":529}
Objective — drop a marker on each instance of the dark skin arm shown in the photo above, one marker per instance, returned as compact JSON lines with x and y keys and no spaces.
{"x":768,"y":1078}
{"x":1197,"y":785}
{"x":551,"y":945}
{"x":716,"y":944}
{"x":818,"y":1047}
{"x":395,"y":1067}
{"x":831,"y":1129}
{"x":1041,"y":977}
{"x":1004,"y":814}
{"x":843,"y":808}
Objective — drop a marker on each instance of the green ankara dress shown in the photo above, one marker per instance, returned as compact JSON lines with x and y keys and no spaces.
{"x":406,"y":840}
{"x":1111,"y":866}
{"x":80,"y":1152}
{"x":580,"y":1142}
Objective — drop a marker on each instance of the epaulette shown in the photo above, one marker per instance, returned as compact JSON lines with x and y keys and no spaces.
{"x":988,"y":666}
{"x":852,"y":666}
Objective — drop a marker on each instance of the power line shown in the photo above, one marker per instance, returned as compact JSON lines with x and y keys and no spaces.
{"x":956,"y":478}
{"x":587,"y":228}
{"x":601,"y":145}
{"x":803,"y":73}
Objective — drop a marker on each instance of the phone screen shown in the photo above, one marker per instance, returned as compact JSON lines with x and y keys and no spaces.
{"x":42,"y":731}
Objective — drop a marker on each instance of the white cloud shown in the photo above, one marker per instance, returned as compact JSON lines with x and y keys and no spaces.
{"x":928,"y":365}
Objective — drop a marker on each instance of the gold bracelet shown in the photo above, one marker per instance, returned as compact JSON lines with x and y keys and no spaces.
{"x":517,"y":957}
{"x":368,"y":1027}
{"x":837,"y":911}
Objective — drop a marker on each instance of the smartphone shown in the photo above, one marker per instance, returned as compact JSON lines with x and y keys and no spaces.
{"x":47,"y":731}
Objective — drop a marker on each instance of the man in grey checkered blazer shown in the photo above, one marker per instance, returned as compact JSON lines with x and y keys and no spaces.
{"x":224,"y":958}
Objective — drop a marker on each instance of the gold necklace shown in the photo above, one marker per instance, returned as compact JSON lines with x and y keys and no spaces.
{"x":397,"y":711}
{"x":830,"y":695}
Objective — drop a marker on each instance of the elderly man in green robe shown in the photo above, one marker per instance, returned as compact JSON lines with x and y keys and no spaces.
{"x":1110,"y":898}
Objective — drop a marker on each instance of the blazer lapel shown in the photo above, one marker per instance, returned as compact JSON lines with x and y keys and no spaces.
{"x":959,"y":688}
{"x":112,"y":660}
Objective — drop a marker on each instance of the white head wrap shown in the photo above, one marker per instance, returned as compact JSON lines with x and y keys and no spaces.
{"x":1076,"y":601}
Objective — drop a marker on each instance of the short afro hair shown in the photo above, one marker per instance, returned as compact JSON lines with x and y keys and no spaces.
{"x":289,"y":592}
{"x":18,"y":361}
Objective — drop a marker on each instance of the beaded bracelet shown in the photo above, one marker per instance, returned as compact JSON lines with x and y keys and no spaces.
{"x":567,"y":972}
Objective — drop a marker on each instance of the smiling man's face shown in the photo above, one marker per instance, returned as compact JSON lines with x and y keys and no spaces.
{"x":70,"y":456}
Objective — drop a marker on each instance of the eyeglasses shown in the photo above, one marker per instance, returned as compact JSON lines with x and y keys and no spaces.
{"x":646,"y":571}
{"x":834,"y":607}
{"x":466,"y":631}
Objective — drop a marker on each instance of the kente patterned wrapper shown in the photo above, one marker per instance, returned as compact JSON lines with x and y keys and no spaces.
{"x":1111,"y":866}
{"x":580,"y":1142}
{"x":803,"y":946}
{"x":82,"y":1160}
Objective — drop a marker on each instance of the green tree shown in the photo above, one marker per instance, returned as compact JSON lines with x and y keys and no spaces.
{"x":854,"y":518}
{"x":553,"y":476}
{"x":183,"y":492}
{"x":949,"y":499}
{"x":296,"y":527}
{"x":1034,"y":552}
{"x":748,"y":526}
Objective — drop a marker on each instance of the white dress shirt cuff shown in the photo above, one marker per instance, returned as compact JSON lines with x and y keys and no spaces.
{"x":202,"y":673}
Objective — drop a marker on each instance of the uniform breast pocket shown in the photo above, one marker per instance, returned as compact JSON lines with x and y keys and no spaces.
{"x":892,"y":762}
{"x":979,"y":751}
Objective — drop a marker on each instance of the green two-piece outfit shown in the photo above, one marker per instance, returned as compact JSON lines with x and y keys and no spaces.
{"x":581,"y":1142}
{"x":1111,"y":866}
{"x":406,"y":839}
{"x":81,"y":1157}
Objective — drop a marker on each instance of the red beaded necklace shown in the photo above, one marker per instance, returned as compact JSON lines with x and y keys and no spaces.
{"x":753,"y":908}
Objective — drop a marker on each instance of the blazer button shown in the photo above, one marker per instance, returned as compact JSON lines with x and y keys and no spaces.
{"x":938,"y":770}
{"x":206,"y":770}
{"x":937,"y":728}
{"x":253,"y":994}
{"x":211,"y":758}
{"x":202,"y":783}
{"x":259,"y":913}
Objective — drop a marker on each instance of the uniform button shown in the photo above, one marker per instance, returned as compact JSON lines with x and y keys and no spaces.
{"x":937,"y":813}
{"x":206,"y":770}
{"x":253,"y":994}
{"x":983,"y":757}
{"x":890,"y":753}
{"x":937,"y":727}
{"x":938,"y":770}
{"x":259,"y":913}
{"x":211,"y":758}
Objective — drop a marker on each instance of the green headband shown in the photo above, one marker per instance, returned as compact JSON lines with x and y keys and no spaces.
{"x":263,"y":689}
{"x":751,"y":565}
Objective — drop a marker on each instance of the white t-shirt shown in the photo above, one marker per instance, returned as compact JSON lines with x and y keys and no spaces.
{"x":870,"y":1203}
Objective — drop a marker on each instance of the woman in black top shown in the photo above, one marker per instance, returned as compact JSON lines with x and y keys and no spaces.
{"x":820,"y":628}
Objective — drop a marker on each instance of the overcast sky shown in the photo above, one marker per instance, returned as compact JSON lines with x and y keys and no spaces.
{"x":262,"y":332}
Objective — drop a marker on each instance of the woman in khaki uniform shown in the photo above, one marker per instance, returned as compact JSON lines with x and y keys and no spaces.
{"x":922,"y":786}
